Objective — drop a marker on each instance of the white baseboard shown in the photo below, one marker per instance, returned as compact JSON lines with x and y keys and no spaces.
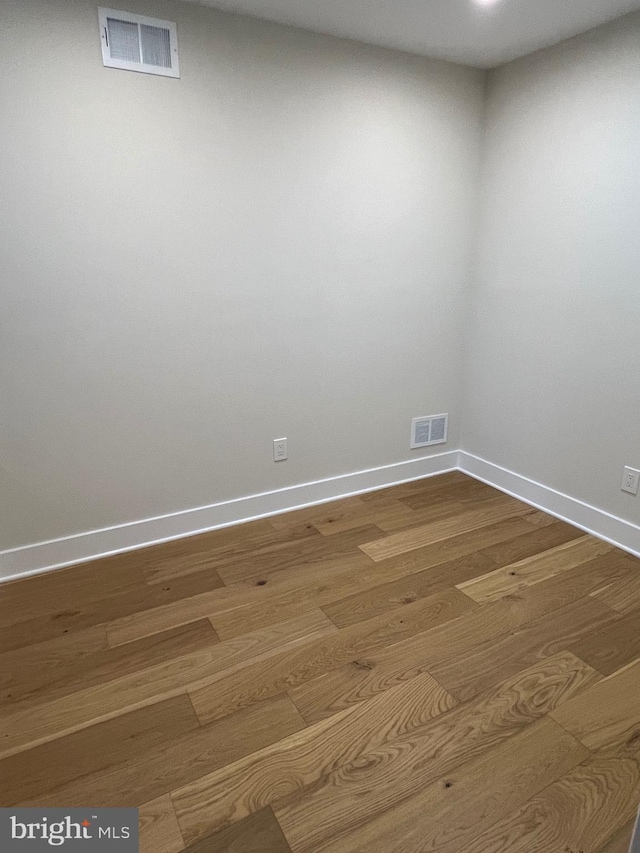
{"x":82,"y":547}
{"x":45,"y":556}
{"x":592,"y":520}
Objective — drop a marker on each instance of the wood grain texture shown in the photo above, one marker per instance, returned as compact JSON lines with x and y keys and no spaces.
{"x":74,"y":616}
{"x":496,"y":658}
{"x":578,"y":812}
{"x":613,"y":645}
{"x":620,"y":841}
{"x":300,"y":761}
{"x":430,"y":667}
{"x":66,"y":589}
{"x":434,"y":511}
{"x":426,"y":485}
{"x":426,"y":534}
{"x":622,"y":595}
{"x":390,"y":596}
{"x":357,"y":792}
{"x":346,"y":514}
{"x":532,"y":570}
{"x":258,"y":833}
{"x":157,"y":770}
{"x":25,"y":729}
{"x":468,"y":653}
{"x":531,"y":542}
{"x":607,"y":717}
{"x":262,"y":605}
{"x":267,"y":605}
{"x":287,"y":558}
{"x":42,"y":679}
{"x":94,"y":749}
{"x":457,"y":545}
{"x":159,"y":830}
{"x":287,"y":670}
{"x":541,"y":519}
{"x":453,"y":810}
{"x":447,"y":487}
{"x":237,"y":610}
{"x":197,"y":554}
{"x":23,"y":669}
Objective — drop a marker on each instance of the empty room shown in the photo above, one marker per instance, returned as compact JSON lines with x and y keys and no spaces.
{"x":319,"y":426}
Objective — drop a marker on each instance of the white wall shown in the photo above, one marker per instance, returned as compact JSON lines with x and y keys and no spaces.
{"x":276,"y":244}
{"x":553,"y":381}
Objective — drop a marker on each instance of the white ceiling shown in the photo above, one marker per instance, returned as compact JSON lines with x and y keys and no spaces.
{"x":475,"y":32}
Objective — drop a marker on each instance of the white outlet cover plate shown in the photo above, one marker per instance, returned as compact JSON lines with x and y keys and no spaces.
{"x":280,"y":452}
{"x":631,"y":481}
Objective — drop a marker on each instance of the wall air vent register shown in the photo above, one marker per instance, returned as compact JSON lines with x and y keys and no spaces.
{"x":137,"y":43}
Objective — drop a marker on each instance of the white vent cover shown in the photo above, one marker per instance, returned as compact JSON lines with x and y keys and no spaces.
{"x":136,"y":43}
{"x":427,"y":431}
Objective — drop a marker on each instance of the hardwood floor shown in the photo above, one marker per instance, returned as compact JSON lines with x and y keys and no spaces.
{"x":432,"y":667}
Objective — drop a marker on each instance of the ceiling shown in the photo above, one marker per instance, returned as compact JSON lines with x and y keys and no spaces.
{"x":484,"y":33}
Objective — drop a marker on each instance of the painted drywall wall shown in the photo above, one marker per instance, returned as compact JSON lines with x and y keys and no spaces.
{"x":553,"y":378}
{"x":276,"y":244}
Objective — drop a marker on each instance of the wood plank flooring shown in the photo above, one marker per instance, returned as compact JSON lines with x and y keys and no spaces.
{"x":431,"y":667}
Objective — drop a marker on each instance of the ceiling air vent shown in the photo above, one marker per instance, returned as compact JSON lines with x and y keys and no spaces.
{"x":135,"y":43}
{"x":427,"y":431}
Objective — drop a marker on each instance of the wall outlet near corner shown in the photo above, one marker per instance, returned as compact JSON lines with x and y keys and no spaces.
{"x":630,"y":481}
{"x":280,"y":449}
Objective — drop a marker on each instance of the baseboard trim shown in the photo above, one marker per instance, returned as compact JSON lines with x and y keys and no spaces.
{"x":55,"y":554}
{"x":592,"y":520}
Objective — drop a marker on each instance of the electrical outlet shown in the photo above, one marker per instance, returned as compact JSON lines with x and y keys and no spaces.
{"x":280,"y":449}
{"x":630,"y":481}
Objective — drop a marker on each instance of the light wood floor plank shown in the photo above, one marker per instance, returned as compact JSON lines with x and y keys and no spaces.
{"x":447,"y":648}
{"x":400,"y":543}
{"x":612,"y":646}
{"x":26,"y":665}
{"x":444,"y":488}
{"x":43,"y":680}
{"x":531,"y":542}
{"x":269,"y":604}
{"x":261,"y":606}
{"x":541,"y":519}
{"x":580,"y":811}
{"x":450,"y":812}
{"x":346,"y":514}
{"x":273,"y":561}
{"x":436,"y":511}
{"x":623,"y":595}
{"x":497,"y":658}
{"x":607,"y":716}
{"x":195,"y":554}
{"x":66,"y":590}
{"x":355,"y":793}
{"x":301,"y":760}
{"x":31,"y":727}
{"x":532,"y":570}
{"x":376,"y":600}
{"x":291,"y":668}
{"x":426,"y":485}
{"x":620,"y":841}
{"x":239,"y":610}
{"x":85,"y":614}
{"x":196,"y":753}
{"x":431,"y":667}
{"x":257,"y":833}
{"x":159,"y":830}
{"x":34,"y":773}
